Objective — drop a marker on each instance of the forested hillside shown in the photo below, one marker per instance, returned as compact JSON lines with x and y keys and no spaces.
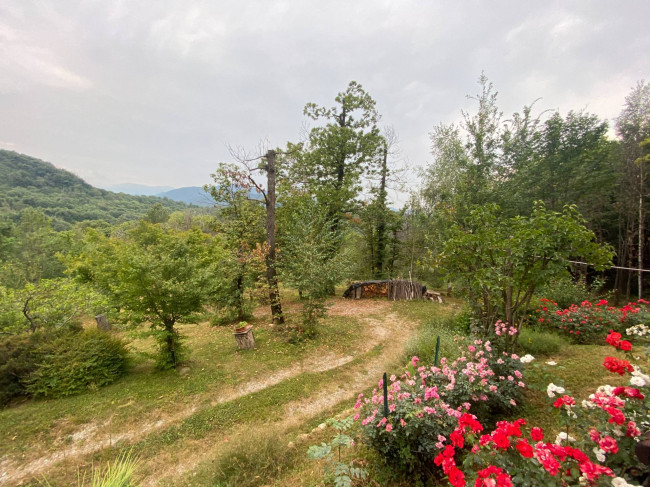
{"x":26,"y":182}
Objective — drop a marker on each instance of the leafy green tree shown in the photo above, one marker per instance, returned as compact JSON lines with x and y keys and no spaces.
{"x":632,"y":127}
{"x":307,"y":263}
{"x":49,"y":303}
{"x":31,"y":250}
{"x":500,"y":262}
{"x":338,"y":154}
{"x":241,"y":224}
{"x":157,"y":214}
{"x":155,"y":275}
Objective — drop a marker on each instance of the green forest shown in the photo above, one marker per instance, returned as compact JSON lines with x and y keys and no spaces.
{"x":518,"y":220}
{"x":29,"y":183}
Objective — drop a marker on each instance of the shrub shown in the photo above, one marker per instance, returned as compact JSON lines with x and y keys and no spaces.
{"x":424,"y":403}
{"x":76,"y":362}
{"x":19,"y":356}
{"x":565,"y":291}
{"x":597,"y":439}
{"x":537,"y":342}
{"x":588,"y":322}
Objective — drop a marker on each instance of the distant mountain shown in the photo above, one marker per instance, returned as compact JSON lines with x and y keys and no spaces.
{"x":195,"y":195}
{"x":192,"y":195}
{"x":137,"y":189}
{"x":26,"y":182}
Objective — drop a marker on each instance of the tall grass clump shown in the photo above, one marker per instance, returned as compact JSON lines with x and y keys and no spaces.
{"x":423,"y":345}
{"x":116,"y":474}
{"x":536,"y":342}
{"x":250,"y":460}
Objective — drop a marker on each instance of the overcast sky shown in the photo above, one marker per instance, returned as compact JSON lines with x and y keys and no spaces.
{"x":153,"y":92}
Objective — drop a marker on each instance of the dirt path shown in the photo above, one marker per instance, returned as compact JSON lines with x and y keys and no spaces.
{"x":390,"y":330}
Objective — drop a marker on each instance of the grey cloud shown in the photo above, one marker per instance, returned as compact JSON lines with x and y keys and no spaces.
{"x":153,"y":92}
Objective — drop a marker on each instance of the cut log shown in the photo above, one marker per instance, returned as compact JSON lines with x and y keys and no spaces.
{"x":245,"y":338}
{"x":434,"y":296}
{"x":102,"y":323}
{"x":393,"y":289}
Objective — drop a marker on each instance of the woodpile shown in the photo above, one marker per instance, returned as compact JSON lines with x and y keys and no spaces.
{"x":433,"y":296}
{"x":393,"y":289}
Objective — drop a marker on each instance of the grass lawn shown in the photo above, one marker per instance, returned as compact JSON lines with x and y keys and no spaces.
{"x":246,"y":418}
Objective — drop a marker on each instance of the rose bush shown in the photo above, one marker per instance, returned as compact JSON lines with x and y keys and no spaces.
{"x":425,"y":402}
{"x":595,"y":448}
{"x":588,"y":322}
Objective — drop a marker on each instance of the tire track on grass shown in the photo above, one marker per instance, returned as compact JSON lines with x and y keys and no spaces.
{"x":95,"y":437}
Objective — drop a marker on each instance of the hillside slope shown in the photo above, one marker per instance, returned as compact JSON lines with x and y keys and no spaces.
{"x":26,"y":182}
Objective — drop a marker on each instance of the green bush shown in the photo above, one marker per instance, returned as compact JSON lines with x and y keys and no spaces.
{"x":565,"y":291}
{"x":19,"y":356}
{"x":542,"y":343}
{"x":74,"y":363}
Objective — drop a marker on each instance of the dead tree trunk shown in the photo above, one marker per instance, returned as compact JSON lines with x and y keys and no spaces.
{"x":380,"y":255}
{"x":271,"y":273}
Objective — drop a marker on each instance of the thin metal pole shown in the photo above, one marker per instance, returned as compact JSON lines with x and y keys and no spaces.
{"x":385,"y":396}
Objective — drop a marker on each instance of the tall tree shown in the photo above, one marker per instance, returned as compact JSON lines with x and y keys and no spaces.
{"x":241,"y":179}
{"x":633,"y":127}
{"x":241,"y":225}
{"x":339,"y":152}
{"x":155,"y":275}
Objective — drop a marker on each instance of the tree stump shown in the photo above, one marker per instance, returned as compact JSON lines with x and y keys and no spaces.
{"x":245,"y":338}
{"x":102,"y":323}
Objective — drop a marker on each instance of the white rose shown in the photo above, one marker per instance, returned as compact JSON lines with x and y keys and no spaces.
{"x":637,"y":381}
{"x":600,"y":454}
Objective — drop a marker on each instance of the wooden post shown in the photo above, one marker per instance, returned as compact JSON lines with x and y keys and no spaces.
{"x":245,"y":338}
{"x":102,"y":323}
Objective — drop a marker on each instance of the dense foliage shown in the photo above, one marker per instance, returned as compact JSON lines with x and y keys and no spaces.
{"x":155,"y":275}
{"x":56,"y":363}
{"x":501,"y":262}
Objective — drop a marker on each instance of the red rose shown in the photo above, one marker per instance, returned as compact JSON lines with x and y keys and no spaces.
{"x":613,"y":338}
{"x":537,"y":434}
{"x":608,"y":444}
{"x":456,"y":477}
{"x":525,"y":449}
{"x":617,"y":366}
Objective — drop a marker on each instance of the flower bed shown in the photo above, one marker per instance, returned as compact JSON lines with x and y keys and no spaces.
{"x":588,"y":322}
{"x":595,"y":448}
{"x":425,"y":402}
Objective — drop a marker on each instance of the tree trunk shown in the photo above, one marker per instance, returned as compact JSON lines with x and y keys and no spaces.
{"x":640,"y":260}
{"x":380,"y":255}
{"x":170,"y":341}
{"x":271,"y":274}
{"x":245,"y":339}
{"x":32,"y":322}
